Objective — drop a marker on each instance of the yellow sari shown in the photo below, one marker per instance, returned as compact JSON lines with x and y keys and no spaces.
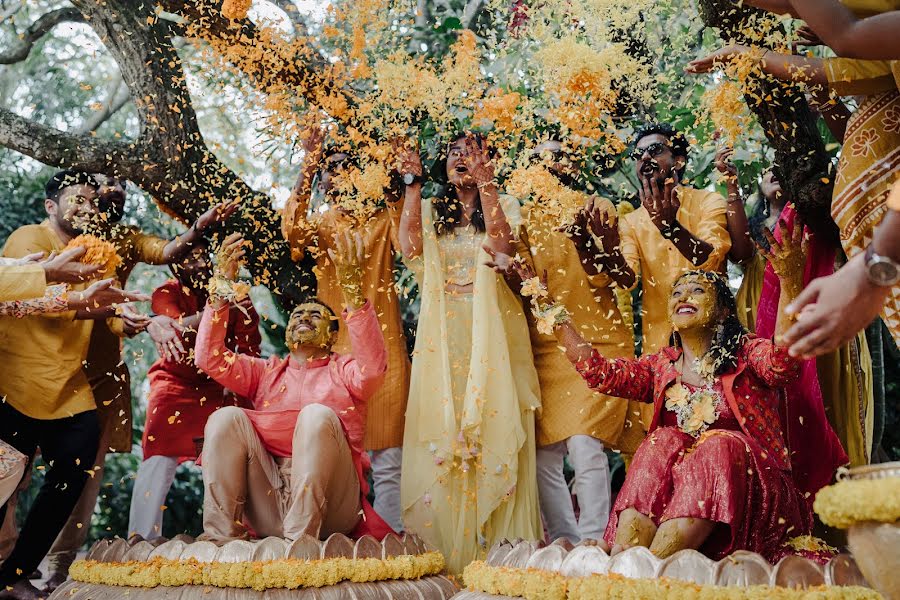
{"x":469,"y":475}
{"x":870,"y":159}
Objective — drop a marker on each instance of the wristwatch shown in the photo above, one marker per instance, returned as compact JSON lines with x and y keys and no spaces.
{"x":411,"y":178}
{"x":881,"y":270}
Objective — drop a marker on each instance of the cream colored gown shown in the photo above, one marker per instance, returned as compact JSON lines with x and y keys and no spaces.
{"x":468,"y":450}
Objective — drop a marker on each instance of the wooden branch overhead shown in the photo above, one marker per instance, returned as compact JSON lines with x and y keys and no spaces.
{"x":21,"y":47}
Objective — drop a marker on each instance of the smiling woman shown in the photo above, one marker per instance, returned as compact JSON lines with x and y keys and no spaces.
{"x":715,"y":472}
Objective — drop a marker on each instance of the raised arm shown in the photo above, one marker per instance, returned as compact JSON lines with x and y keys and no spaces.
{"x":296,"y":229}
{"x":238,"y":372}
{"x":410,"y":231}
{"x":787,"y":67}
{"x":480,"y":165}
{"x":181,"y":245}
{"x":363,"y":373}
{"x":742,"y":248}
{"x":873,"y":38}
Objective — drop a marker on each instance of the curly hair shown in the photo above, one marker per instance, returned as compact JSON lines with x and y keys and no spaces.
{"x":447,"y":207}
{"x":730,"y":332}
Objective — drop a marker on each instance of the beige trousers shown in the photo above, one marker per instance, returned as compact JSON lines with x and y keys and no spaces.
{"x":315,"y":492}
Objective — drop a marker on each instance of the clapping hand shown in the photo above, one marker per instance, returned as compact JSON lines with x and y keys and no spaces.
{"x":503,"y":264}
{"x":661,"y":201}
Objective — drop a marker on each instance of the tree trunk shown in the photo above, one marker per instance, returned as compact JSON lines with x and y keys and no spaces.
{"x":170,"y":159}
{"x":801,"y":162}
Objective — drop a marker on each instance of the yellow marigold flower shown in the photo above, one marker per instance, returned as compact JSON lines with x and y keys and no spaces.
{"x":854,"y":501}
{"x":97,"y":252}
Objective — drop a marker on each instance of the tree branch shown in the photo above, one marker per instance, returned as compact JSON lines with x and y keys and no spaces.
{"x":22,"y":46}
{"x":117,"y":98}
{"x":67,"y":150}
{"x":471,"y":12}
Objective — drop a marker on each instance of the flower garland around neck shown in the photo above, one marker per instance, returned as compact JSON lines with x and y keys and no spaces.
{"x":289,"y":574}
{"x":695,"y":409}
{"x":853,"y":501}
{"x":535,"y":584}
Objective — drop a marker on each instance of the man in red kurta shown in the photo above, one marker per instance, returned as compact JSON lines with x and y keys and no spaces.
{"x":182,"y":397}
{"x":294,"y":463}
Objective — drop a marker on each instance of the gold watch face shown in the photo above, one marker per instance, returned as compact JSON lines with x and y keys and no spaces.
{"x":883,"y":272}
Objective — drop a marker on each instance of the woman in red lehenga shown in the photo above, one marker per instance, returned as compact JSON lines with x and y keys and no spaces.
{"x":714,"y":473}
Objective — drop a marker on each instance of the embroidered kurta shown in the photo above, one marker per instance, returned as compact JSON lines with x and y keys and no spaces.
{"x":182,"y":396}
{"x":277,"y":388}
{"x":54,"y":300}
{"x":568,"y":406}
{"x":41,"y":356}
{"x":658,"y":262}
{"x":387,"y":407}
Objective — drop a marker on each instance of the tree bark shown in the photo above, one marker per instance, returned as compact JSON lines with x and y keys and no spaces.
{"x":801,"y":161}
{"x":170,"y":159}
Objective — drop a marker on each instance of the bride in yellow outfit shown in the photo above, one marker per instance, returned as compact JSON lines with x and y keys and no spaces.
{"x":468,"y":449}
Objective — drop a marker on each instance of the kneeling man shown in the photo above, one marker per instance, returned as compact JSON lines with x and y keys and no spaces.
{"x":294,"y":463}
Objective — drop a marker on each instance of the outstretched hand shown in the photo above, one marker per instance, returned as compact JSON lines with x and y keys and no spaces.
{"x":787,"y":257}
{"x":65,"y":267}
{"x":347,"y":255}
{"x":216,"y":215}
{"x":166,"y":335}
{"x":831,"y":310}
{"x":102,"y":294}
{"x":503,"y":264}
{"x":715,"y":60}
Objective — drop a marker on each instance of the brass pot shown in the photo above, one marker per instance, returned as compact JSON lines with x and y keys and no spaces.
{"x":876,"y":546}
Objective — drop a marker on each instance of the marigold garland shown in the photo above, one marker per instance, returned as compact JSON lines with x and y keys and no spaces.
{"x":533,"y":584}
{"x":853,"y":501}
{"x":258,"y":575}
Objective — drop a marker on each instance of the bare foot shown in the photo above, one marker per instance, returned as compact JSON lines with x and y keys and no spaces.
{"x":22,"y":590}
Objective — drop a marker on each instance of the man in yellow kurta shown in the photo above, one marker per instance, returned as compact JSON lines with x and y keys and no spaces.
{"x":574,"y":420}
{"x":387,"y":407}
{"x":676,"y":229}
{"x":48,"y":401}
{"x":107,"y":373}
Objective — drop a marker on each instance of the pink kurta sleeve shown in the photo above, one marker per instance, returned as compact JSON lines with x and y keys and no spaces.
{"x":237,"y":372}
{"x":364,"y":372}
{"x":623,"y":377}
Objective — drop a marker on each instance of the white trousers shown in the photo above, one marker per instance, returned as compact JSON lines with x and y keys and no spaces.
{"x":386,"y":484}
{"x":151,"y":485}
{"x":591,"y":486}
